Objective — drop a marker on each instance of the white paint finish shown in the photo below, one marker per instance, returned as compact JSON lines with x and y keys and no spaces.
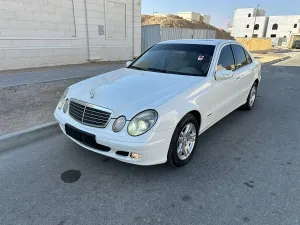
{"x":128,"y":92}
{"x":42,"y":25}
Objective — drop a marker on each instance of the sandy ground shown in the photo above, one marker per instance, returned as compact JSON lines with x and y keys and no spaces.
{"x":264,"y":58}
{"x":26,"y":106}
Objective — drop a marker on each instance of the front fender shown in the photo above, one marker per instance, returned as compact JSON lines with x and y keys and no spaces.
{"x":172,"y":117}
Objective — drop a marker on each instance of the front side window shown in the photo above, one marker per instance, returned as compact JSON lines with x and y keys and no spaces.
{"x":273,"y":35}
{"x":295,"y":25}
{"x":239,"y":55}
{"x":182,"y":59}
{"x":226,"y":60}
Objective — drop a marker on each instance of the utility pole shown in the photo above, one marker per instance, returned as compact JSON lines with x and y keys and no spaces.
{"x":229,"y":23}
{"x":253,"y":27}
{"x":255,"y":20}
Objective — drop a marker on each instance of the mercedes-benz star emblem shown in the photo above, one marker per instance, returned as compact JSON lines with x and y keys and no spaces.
{"x":92,"y":93}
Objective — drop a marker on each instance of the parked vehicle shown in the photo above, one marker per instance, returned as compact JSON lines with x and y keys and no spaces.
{"x":153,"y":111}
{"x":296,"y":44}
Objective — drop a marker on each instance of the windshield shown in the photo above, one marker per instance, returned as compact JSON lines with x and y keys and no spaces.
{"x":183,"y":59}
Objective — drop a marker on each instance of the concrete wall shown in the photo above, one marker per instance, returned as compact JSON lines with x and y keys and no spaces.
{"x":56,"y":32}
{"x":285,"y":26}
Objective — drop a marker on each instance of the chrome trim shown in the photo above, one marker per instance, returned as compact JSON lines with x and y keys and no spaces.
{"x":85,"y":104}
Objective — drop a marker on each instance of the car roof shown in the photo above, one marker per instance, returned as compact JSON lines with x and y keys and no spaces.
{"x":199,"y":41}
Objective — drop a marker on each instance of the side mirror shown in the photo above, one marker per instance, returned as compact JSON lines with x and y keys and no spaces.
{"x":223,"y":74}
{"x":128,"y":63}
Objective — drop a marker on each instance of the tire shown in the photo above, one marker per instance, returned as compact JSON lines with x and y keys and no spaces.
{"x":175,"y":157}
{"x":250,"y":101}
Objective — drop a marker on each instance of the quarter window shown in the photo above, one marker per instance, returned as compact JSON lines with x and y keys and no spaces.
{"x":226,"y":60}
{"x":239,"y":55}
{"x":248,"y":57}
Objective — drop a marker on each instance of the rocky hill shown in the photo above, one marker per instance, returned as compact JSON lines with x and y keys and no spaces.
{"x":177,"y":21}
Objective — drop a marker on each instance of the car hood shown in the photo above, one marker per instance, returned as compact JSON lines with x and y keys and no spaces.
{"x":128,"y":92}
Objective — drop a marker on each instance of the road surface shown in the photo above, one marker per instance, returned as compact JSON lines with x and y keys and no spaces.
{"x":245,"y":170}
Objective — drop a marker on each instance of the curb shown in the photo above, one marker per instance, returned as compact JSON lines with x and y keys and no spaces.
{"x":24,"y":137}
{"x":276,"y":61}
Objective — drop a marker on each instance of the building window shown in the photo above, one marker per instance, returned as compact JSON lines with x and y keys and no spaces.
{"x":247,"y":26}
{"x":249,"y":15}
{"x":295,"y":25}
{"x":255,"y":35}
{"x":275,"y":26}
{"x":273,"y":35}
{"x":256,"y":27}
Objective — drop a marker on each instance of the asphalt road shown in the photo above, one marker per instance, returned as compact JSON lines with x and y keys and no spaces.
{"x":246,"y":170}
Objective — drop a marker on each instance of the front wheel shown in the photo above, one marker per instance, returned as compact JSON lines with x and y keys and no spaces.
{"x":184,"y":141}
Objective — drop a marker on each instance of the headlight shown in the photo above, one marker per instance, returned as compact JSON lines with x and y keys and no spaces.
{"x":119,"y":124}
{"x":66,"y":105}
{"x":142,"y":122}
{"x":62,"y":99}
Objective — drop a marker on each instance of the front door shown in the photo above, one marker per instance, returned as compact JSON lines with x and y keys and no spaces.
{"x":223,"y":91}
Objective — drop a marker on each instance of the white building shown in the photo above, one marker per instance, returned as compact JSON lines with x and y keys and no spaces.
{"x":55,"y":32}
{"x":283,"y":26}
{"x":194,"y":16}
{"x":206,"y":18}
{"x":250,"y":21}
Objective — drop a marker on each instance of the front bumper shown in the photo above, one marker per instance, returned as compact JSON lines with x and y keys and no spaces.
{"x":152,"y":146}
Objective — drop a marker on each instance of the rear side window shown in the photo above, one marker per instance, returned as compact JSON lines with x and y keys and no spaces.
{"x":248,"y":57}
{"x":239,"y":55}
{"x":226,"y":60}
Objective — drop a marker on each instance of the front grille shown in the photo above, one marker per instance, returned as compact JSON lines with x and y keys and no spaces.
{"x":88,"y":114}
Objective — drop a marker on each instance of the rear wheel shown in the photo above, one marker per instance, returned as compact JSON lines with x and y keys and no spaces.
{"x":184,"y":141}
{"x":251,"y":98}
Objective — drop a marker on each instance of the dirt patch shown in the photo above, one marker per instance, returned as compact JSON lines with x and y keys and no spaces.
{"x":26,"y":106}
{"x":179,"y":22}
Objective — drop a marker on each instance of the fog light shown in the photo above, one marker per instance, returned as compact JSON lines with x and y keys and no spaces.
{"x":135,"y":155}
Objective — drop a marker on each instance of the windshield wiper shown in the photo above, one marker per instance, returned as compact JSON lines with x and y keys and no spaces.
{"x":157,"y":70}
{"x":137,"y":68}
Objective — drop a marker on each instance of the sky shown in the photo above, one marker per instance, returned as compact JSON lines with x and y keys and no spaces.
{"x":220,"y":10}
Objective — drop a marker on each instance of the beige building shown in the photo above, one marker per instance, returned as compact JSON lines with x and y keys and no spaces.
{"x":194,"y":16}
{"x":36,"y":33}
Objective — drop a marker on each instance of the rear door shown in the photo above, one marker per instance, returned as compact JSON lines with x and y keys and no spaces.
{"x":243,"y":73}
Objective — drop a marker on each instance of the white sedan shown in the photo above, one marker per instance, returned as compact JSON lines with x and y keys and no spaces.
{"x":153,"y":111}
